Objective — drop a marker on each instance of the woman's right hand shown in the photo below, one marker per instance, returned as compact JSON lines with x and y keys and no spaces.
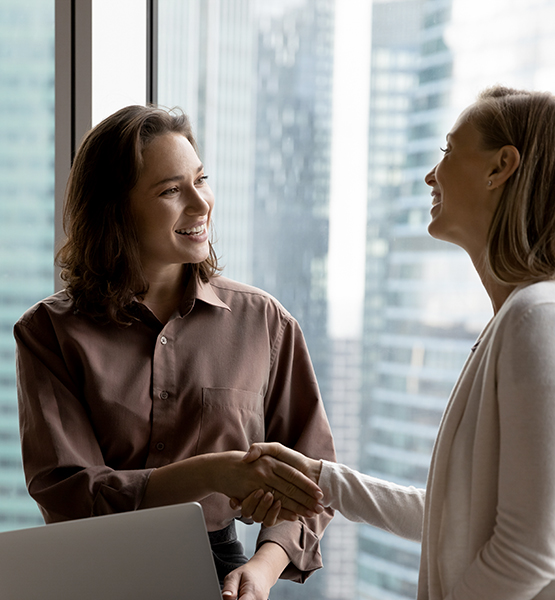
{"x":264,"y":507}
{"x":308,"y":466}
{"x":262,"y":477}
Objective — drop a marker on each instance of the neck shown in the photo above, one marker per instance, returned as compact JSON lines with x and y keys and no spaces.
{"x":165,"y":290}
{"x":498,"y":292}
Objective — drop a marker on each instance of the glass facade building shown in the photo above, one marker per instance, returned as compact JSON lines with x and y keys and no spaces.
{"x":26,"y":214}
{"x":256,"y":78}
{"x":424,"y":304}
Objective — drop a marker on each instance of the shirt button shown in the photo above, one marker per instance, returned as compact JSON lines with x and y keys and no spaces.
{"x":164,"y":395}
{"x":163,"y":340}
{"x":160,"y":446}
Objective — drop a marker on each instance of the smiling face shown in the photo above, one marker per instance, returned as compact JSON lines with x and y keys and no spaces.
{"x":171,"y":204}
{"x":462,"y":200}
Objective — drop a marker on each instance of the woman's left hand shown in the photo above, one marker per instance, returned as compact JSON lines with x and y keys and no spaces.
{"x":254,"y":579}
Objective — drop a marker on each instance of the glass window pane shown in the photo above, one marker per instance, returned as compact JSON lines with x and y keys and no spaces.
{"x":26,"y":214}
{"x":118,"y":55}
{"x":260,"y":80}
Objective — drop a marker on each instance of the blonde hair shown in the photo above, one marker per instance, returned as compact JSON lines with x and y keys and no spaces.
{"x":521,"y":241}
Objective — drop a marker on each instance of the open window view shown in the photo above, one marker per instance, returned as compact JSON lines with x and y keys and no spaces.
{"x":389,"y":314}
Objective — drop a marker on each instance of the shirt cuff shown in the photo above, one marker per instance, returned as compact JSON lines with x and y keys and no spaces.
{"x":300,"y":543}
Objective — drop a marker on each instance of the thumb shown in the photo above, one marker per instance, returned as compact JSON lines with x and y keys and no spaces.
{"x":254,"y":452}
{"x":231,"y":586}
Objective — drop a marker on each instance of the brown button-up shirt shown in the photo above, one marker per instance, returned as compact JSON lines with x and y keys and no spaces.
{"x":102,"y":405}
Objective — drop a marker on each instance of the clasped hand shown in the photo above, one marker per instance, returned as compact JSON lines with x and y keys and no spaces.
{"x":285,"y":484}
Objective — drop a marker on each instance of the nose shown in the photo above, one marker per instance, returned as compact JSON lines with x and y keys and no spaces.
{"x":430,"y":178}
{"x":198,"y":202}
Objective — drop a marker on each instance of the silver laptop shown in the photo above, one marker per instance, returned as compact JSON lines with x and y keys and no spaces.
{"x":155,"y":554}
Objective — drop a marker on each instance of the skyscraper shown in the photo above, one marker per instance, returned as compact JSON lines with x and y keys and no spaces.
{"x":424,"y":303}
{"x":26,"y":214}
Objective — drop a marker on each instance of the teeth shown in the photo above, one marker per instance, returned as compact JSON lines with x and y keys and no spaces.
{"x":192,"y":231}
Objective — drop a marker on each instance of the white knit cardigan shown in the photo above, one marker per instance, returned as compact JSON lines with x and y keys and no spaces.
{"x":487,"y":517}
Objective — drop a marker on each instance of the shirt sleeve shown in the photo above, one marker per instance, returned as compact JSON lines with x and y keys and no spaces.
{"x":366,"y":499}
{"x":64,"y":467}
{"x":295,"y":417}
{"x":518,"y":560}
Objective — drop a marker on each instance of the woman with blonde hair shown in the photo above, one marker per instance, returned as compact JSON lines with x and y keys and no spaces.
{"x":486,"y":519}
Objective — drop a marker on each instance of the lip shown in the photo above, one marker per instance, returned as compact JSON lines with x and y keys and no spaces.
{"x":198,"y":237}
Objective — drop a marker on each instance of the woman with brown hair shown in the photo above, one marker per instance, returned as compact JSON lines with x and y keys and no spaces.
{"x":145,"y":380}
{"x":486,"y":518}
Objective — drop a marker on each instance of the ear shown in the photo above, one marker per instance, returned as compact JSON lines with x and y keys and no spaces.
{"x":505,"y":163}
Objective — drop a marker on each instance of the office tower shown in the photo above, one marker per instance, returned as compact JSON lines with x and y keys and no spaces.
{"x":207,"y":54}
{"x":256,"y":79}
{"x":343,"y":406}
{"x":291,"y":180}
{"x":388,"y":566}
{"x":26,"y":214}
{"x":292,"y":164}
{"x":424,"y":304}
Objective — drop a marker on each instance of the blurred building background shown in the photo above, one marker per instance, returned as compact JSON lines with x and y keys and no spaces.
{"x":257,"y":80}
{"x":26,"y":214}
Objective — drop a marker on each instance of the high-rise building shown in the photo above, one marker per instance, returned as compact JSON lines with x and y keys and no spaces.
{"x":256,"y":79}
{"x":292,"y":164}
{"x":207,"y":67}
{"x":424,"y":304}
{"x":26,"y":214}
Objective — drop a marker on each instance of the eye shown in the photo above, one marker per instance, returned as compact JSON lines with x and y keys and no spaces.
{"x":201,"y":180}
{"x":170,"y":191}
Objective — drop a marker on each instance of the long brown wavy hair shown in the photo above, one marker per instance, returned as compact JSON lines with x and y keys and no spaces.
{"x":100,"y":258}
{"x":521,"y":241}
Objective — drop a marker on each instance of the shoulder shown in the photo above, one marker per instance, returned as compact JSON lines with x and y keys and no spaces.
{"x":526,"y":317}
{"x":529,"y":299}
{"x":57,"y":306}
{"x":236,"y":294}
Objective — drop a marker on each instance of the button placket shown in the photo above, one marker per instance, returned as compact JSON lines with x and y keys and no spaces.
{"x":163,"y":391}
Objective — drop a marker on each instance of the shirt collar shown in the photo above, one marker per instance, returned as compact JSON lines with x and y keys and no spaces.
{"x":199,"y":290}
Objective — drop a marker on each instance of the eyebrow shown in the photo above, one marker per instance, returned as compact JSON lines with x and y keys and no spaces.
{"x":175,"y":178}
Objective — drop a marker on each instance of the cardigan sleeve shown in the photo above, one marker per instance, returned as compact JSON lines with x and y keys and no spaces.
{"x":295,"y":417}
{"x":518,"y":560}
{"x":366,"y":499}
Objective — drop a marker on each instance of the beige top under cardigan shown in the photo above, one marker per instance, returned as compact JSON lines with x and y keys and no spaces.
{"x":487,"y":516}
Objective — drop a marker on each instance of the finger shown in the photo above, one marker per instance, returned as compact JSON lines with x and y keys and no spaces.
{"x":234,"y":503}
{"x":258,"y":449}
{"x":299,"y":479}
{"x":250,"y":503}
{"x":287,"y":515}
{"x":295,"y":507}
{"x":295,"y":499}
{"x":272,"y":516}
{"x":259,"y":514}
{"x":231,"y":585}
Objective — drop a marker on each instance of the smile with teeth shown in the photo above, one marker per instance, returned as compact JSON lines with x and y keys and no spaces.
{"x":198,"y":230}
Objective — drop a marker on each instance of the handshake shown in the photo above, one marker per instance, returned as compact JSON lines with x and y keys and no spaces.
{"x":288,"y":485}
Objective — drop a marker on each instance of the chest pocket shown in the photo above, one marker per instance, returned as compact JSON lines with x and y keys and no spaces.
{"x":231,"y":420}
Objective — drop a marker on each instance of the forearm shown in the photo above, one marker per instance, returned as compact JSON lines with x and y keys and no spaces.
{"x":272,"y":558}
{"x":362,"y":498}
{"x":188,"y":480}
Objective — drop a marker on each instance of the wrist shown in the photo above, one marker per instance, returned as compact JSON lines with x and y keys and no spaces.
{"x":271,"y":559}
{"x":314,"y":470}
{"x":219,"y":473}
